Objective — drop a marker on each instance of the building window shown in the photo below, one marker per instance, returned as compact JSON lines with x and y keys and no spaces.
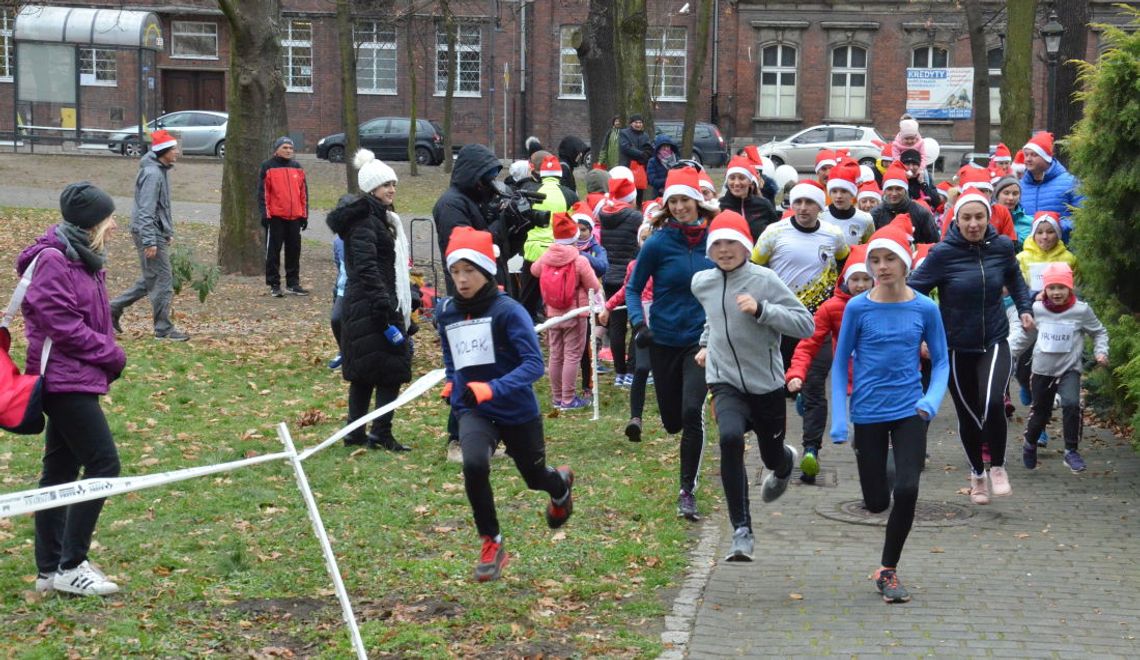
{"x":778,"y":82}
{"x":570,"y":82}
{"x":848,"y":83}
{"x":469,"y":65}
{"x":995,"y":57}
{"x":7,"y":45}
{"x":375,"y":57}
{"x":297,"y":56}
{"x":97,"y":67}
{"x":929,"y":57}
{"x":192,"y":39}
{"x":665,"y":53}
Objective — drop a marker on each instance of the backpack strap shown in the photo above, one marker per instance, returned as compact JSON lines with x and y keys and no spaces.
{"x":18,"y":299}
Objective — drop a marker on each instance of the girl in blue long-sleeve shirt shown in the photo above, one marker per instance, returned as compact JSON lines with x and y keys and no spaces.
{"x":888,"y":406}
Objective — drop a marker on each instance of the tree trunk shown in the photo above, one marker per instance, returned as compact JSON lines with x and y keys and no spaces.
{"x":256,"y":103}
{"x":694,"y":93}
{"x":631,"y":22}
{"x":1017,"y":73}
{"x":413,"y":98}
{"x":596,"y":52}
{"x":1074,"y":15}
{"x":452,"y":67}
{"x":978,"y":52}
{"x":350,"y":118}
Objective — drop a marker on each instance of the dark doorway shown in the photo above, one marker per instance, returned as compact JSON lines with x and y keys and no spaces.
{"x":193,"y":90}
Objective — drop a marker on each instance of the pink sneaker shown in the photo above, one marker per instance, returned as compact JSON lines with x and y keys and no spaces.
{"x":979,"y":490}
{"x":1000,"y":480}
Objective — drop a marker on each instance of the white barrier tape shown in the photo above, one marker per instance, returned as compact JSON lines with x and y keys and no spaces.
{"x":50,"y":497}
{"x":572,"y":314}
{"x":423,"y":384}
{"x":322,"y":536}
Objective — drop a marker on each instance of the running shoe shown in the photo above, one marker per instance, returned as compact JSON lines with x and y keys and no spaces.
{"x":1043,"y":439}
{"x":1026,"y":395}
{"x":742,"y":543}
{"x":809,"y":466}
{"x":575,"y":403}
{"x":887,"y":582}
{"x":557,"y":514}
{"x":492,"y":559}
{"x":633,"y":429}
{"x":1029,"y":455}
{"x":1074,"y":461}
{"x":84,"y":580}
{"x":687,"y":506}
{"x":774,"y":486}
{"x":979,"y":490}
{"x":999,"y":480}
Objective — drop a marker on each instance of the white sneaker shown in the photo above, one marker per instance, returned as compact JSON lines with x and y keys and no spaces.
{"x":84,"y":580}
{"x":999,"y":481}
{"x":45,"y":584}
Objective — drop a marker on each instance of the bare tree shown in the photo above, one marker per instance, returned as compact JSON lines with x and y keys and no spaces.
{"x":976,"y":26}
{"x":413,"y":93}
{"x":603,"y":86}
{"x":1017,"y":72}
{"x":256,"y":103}
{"x":349,"y":114}
{"x":694,"y":92}
{"x":631,"y":23}
{"x":450,"y":27}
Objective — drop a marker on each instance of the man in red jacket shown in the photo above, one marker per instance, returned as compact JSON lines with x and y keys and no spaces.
{"x":283,"y":196}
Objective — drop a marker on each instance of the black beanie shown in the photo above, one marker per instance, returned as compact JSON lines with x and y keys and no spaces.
{"x":85,"y":205}
{"x":634,"y":117}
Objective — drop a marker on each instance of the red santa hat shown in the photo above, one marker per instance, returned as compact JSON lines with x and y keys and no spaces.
{"x":729,"y":226}
{"x":825,"y":158}
{"x":976,"y":178}
{"x":565,"y":228}
{"x":706,"y":181}
{"x":888,"y":153}
{"x":920,"y":252}
{"x":650,"y":207}
{"x":550,"y":167}
{"x":622,"y":190}
{"x":472,"y":245}
{"x":683,"y":181}
{"x":581,"y":214}
{"x":905,"y":224}
{"x":809,"y":189}
{"x":1049,"y":217}
{"x":893,"y":239}
{"x":742,"y":165}
{"x":870,"y":189}
{"x":972,"y":196}
{"x":1058,"y":272}
{"x":161,"y":140}
{"x":856,"y":263}
{"x":944,"y":188}
{"x":753,"y":155}
{"x":843,"y":177}
{"x":598,"y":201}
{"x":1001,"y":154}
{"x":1042,"y":145}
{"x":895,"y":176}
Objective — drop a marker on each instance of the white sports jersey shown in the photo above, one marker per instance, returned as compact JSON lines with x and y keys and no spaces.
{"x":856,"y":230}
{"x":804,"y":260}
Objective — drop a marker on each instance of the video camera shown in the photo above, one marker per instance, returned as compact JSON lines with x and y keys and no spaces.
{"x":517,"y":211}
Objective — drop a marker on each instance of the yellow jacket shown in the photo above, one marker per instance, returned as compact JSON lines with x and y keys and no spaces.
{"x":1033,"y":260}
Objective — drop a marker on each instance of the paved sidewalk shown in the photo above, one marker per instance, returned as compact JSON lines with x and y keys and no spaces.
{"x":1052,"y":571}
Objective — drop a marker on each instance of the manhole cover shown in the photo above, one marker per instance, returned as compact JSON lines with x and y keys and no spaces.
{"x":926,"y":514}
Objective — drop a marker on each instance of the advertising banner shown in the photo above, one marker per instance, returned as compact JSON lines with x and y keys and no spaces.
{"x":940,"y":93}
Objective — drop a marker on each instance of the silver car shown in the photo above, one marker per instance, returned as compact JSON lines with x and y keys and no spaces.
{"x":197,"y":132}
{"x":800,"y":149}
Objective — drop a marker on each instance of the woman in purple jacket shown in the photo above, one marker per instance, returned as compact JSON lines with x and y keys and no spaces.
{"x":67,"y":317}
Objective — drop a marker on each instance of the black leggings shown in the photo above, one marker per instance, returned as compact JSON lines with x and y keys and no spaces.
{"x":478,"y":437}
{"x":977,"y":384}
{"x":77,"y":437}
{"x":681,"y":391}
{"x":737,"y":413}
{"x":616,"y":331}
{"x":872,"y":441}
{"x":359,"y":395}
{"x":640,"y":364}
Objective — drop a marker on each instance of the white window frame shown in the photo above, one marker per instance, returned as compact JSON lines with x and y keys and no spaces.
{"x":469,"y":46}
{"x":780,"y":70}
{"x":995,"y":89}
{"x":569,"y":67}
{"x":847,"y":72}
{"x":7,"y":45}
{"x":175,"y":33}
{"x":291,"y":48}
{"x":930,"y":50}
{"x":89,"y":76}
{"x":376,"y":33}
{"x":657,"y":57}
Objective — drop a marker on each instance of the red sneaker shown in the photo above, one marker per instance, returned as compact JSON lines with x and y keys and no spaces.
{"x":491,"y":561}
{"x":557,"y":515}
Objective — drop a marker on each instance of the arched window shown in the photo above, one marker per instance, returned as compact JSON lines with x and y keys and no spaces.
{"x":929,"y":57}
{"x":778,"y":81}
{"x":848,"y":83}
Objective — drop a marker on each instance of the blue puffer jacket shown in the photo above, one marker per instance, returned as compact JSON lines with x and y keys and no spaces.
{"x":678,"y":318}
{"x":969,"y":278}
{"x":1057,"y":191}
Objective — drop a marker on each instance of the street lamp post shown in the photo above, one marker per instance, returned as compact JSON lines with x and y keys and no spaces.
{"x":1052,"y":32}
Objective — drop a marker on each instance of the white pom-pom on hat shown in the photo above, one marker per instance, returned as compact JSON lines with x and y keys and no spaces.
{"x":371,"y":173}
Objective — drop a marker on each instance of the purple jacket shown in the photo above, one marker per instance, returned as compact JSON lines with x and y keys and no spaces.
{"x":69,"y":304}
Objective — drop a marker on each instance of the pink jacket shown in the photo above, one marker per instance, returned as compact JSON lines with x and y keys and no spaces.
{"x":559,"y":255}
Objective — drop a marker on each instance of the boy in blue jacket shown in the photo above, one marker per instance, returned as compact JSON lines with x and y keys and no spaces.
{"x":492,"y":358}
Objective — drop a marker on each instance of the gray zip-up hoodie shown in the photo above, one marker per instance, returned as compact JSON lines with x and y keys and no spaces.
{"x":744,"y":350}
{"x":151,"y":219}
{"x":1061,"y":338}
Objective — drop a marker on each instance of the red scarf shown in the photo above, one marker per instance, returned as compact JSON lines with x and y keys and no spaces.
{"x":1057,"y":309}
{"x":692,"y":233}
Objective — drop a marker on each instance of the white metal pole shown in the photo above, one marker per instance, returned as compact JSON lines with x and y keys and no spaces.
{"x":592,"y":346}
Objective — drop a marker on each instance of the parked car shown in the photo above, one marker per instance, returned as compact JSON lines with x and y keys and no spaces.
{"x":387,"y":137}
{"x":709,"y":147}
{"x":197,"y":132}
{"x":800,"y":149}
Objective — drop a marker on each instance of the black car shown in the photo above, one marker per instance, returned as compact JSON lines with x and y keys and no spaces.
{"x":387,"y":137}
{"x":709,"y":147}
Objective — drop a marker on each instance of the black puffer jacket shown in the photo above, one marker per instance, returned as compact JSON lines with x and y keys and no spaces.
{"x":570,"y":151}
{"x":970,"y":278}
{"x":757,"y":210}
{"x":619,"y":238}
{"x":370,"y":302}
{"x":925,"y":229}
{"x":462,"y":203}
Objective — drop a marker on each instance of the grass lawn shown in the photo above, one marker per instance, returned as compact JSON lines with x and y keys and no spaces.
{"x":229,"y":565}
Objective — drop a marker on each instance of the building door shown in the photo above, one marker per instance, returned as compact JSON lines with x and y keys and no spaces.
{"x":193,"y":90}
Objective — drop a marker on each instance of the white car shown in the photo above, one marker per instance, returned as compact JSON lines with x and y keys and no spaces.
{"x":800,"y":149}
{"x":197,"y":131}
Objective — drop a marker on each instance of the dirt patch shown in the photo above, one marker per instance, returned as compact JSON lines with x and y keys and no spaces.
{"x":294,"y":609}
{"x":529,"y":651}
{"x":394,"y":609}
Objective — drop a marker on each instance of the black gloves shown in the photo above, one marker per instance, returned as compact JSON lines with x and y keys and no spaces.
{"x":304,"y":224}
{"x":642,"y":335}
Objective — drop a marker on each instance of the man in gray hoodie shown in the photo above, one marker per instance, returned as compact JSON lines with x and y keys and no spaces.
{"x":152,"y":230}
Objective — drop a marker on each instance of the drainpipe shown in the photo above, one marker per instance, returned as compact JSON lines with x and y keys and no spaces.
{"x":714,"y":111}
{"x":522,"y":69}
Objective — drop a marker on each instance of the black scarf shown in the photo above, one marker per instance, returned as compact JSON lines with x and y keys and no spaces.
{"x":77,"y":246}
{"x":477,"y":304}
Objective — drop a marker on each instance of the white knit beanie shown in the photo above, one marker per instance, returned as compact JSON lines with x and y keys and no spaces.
{"x":371,"y":173}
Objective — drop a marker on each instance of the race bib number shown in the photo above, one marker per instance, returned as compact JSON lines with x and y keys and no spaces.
{"x":1037,"y":276}
{"x":471,"y":343}
{"x":1055,"y":337}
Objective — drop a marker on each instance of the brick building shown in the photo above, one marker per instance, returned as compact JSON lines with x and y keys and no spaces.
{"x":775,"y":66}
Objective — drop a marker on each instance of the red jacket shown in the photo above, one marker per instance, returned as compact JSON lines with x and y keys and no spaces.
{"x":284,"y":193}
{"x":828,"y":319}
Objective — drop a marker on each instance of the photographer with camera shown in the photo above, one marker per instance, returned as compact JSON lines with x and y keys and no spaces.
{"x":557,"y":198}
{"x":467,"y":202}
